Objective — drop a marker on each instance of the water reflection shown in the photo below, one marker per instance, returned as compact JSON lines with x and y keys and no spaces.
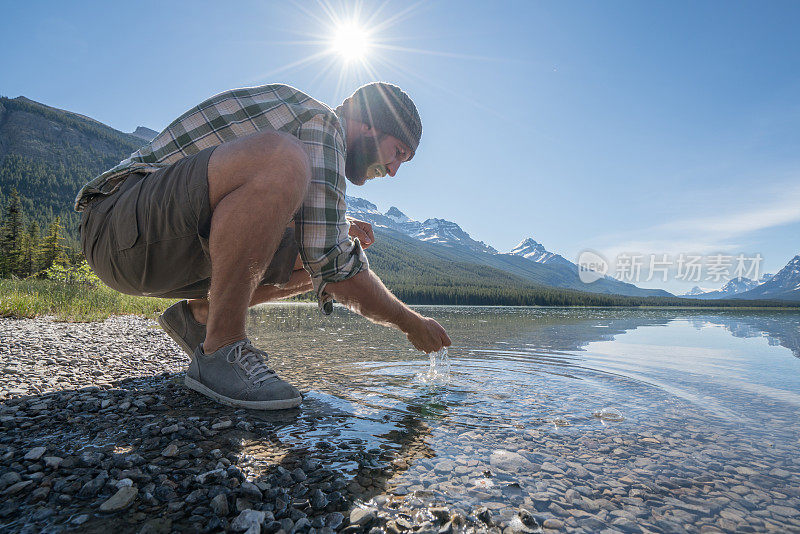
{"x":658,"y":420}
{"x":532,"y":380}
{"x":545,"y":362}
{"x":778,"y":328}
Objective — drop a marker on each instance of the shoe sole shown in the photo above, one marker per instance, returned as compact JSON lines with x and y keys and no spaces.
{"x":281,"y":404}
{"x":174,"y":335}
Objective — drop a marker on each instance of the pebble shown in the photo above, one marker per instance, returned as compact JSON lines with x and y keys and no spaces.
{"x":250,"y":491}
{"x":555,"y":524}
{"x":159,"y":525}
{"x":52,"y":461}
{"x":444,"y":467}
{"x":510,"y":461}
{"x":170,"y":451}
{"x":220,"y":505}
{"x":222,"y":425}
{"x":122,"y":499}
{"x":784,"y":510}
{"x":318,"y":500}
{"x":79,"y":519}
{"x":362,"y":516}
{"x":548,"y":467}
{"x":35,"y":453}
{"x":248,"y":520}
{"x":93,"y":487}
{"x":334,"y":520}
{"x":18,"y":487}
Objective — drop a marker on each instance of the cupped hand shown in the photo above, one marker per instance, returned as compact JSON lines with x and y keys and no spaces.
{"x":428,"y":336}
{"x":363,"y":231}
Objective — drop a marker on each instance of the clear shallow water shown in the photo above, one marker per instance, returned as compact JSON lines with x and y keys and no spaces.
{"x":708,"y":405}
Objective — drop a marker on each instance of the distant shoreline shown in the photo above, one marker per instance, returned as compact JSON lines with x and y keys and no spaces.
{"x":85,"y":303}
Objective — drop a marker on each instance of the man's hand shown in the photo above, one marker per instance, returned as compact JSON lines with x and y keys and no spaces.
{"x":428,"y":335}
{"x":365,"y":294}
{"x":362,"y":230}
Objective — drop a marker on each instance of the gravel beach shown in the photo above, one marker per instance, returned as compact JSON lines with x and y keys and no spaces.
{"x":98,"y":431}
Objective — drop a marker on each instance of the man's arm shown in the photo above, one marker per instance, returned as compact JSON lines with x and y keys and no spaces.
{"x":366,"y":295}
{"x":331,"y":257}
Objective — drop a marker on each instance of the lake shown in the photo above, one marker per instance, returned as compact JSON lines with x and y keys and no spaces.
{"x":629,"y":419}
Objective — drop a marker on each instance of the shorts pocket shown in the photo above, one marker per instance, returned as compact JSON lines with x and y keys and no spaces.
{"x":124,"y":218}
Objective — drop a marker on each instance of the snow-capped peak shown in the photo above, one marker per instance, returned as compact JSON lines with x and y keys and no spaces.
{"x":526,"y":245}
{"x":738,"y":285}
{"x":397,"y":216}
{"x":360,"y":205}
{"x":532,"y":250}
{"x":789,"y":276}
{"x":697,"y":290}
{"x":448,"y":233}
{"x":437,"y":231}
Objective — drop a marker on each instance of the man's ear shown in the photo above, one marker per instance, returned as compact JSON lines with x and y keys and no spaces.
{"x":361,"y":128}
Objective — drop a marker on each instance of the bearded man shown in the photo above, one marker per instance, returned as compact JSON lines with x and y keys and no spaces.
{"x":241,"y":200}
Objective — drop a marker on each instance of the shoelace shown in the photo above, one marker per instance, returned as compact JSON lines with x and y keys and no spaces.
{"x":252,"y":360}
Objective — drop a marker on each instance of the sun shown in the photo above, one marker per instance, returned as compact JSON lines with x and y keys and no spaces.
{"x":355,"y":42}
{"x":350,"y":41}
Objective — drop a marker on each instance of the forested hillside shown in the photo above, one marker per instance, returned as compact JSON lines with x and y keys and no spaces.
{"x":424,"y":273}
{"x":47,"y":154}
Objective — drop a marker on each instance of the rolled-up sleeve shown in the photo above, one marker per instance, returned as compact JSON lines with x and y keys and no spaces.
{"x":321,"y":229}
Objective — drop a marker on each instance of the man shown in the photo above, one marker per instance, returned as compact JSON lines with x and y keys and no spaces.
{"x":201,"y":213}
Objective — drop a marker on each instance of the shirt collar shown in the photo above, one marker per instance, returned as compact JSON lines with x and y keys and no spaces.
{"x":342,"y":123}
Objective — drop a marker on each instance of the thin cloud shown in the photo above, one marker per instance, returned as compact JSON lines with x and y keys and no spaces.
{"x":711,"y":234}
{"x":784,"y":211}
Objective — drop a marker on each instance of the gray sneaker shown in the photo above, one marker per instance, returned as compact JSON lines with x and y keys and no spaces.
{"x":237,"y":375}
{"x":179,"y":323}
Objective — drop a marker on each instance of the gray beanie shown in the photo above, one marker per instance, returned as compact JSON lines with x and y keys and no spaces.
{"x":388,"y":109}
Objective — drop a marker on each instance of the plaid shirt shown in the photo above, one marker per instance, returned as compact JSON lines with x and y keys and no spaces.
{"x":321,"y":230}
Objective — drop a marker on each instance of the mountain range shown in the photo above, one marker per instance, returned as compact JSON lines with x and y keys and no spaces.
{"x":528,"y":260}
{"x":47,"y":154}
{"x":785,"y":285}
{"x":733,"y":287}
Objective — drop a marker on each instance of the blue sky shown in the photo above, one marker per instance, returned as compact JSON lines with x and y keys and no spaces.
{"x":638,"y":127}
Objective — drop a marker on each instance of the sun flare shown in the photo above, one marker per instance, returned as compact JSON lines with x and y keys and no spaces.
{"x":351,"y":42}
{"x":355,"y":42}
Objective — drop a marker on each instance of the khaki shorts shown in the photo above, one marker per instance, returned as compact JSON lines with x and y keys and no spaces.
{"x":150,"y":237}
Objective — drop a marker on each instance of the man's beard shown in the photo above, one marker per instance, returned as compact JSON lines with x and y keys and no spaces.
{"x":362,"y":155}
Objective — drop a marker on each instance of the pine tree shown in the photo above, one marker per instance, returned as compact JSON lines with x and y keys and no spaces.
{"x":52,"y":250}
{"x":11,"y":260}
{"x":31,"y":249}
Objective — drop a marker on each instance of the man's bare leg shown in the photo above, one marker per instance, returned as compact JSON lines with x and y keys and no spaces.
{"x":299,"y":283}
{"x":255,"y":183}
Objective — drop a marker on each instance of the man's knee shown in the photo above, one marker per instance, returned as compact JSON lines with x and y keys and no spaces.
{"x":282,"y":155}
{"x":292,"y":153}
{"x":274,"y":163}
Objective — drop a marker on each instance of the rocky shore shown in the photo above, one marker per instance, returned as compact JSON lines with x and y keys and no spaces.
{"x":98,"y":432}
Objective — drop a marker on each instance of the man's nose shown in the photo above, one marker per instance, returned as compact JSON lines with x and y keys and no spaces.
{"x":391,"y":168}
